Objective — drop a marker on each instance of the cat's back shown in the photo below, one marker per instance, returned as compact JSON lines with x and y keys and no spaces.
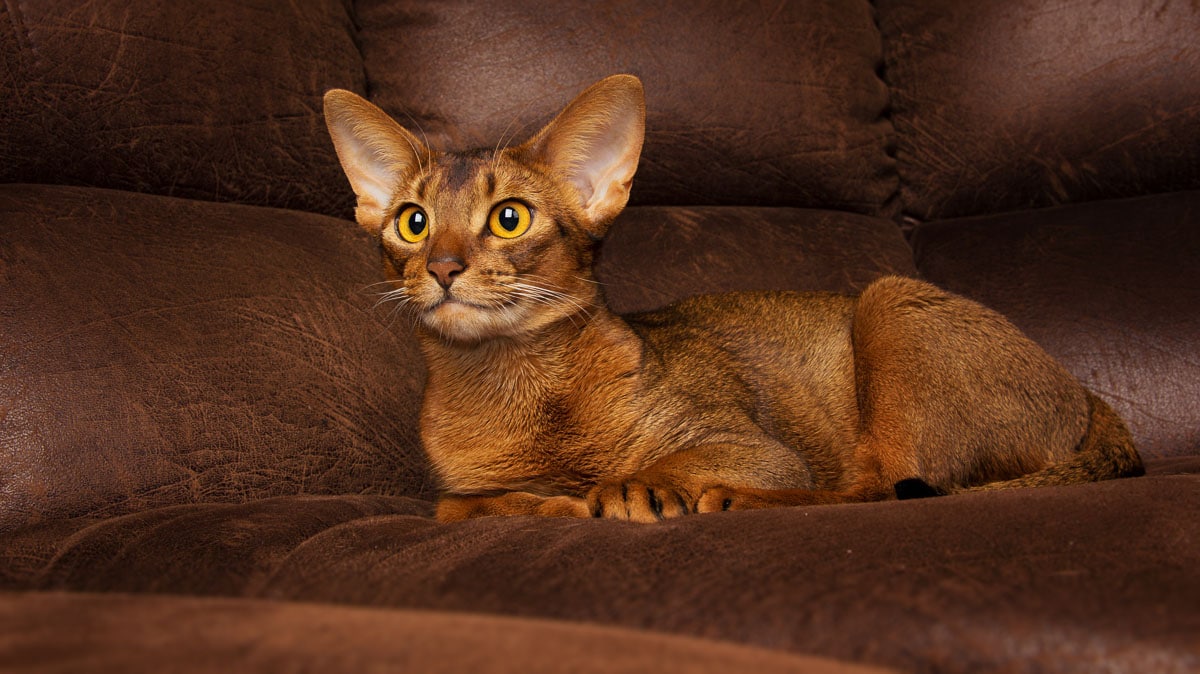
{"x":785,"y":358}
{"x":750,"y":323}
{"x":785,"y":349}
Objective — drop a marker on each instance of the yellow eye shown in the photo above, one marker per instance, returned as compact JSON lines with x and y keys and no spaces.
{"x":510,"y":219}
{"x":412,"y":224}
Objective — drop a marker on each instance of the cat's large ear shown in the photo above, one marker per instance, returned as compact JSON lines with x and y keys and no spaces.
{"x":594,"y":143}
{"x":376,"y":153}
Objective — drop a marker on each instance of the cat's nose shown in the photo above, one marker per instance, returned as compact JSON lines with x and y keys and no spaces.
{"x":446,"y":269}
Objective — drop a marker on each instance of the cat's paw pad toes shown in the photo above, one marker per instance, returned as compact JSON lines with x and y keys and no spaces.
{"x":717,"y":499}
{"x":638,"y":501}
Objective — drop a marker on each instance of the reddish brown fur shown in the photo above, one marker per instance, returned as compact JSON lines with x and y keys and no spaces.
{"x":552,"y":405}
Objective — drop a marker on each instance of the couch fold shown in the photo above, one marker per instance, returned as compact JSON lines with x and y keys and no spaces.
{"x":1073,"y":578}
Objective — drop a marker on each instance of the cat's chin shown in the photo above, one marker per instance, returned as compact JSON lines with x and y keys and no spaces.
{"x":457,"y":321}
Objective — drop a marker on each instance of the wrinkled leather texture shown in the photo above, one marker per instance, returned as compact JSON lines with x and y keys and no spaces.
{"x":159,"y":351}
{"x":1063,"y":579}
{"x":1004,"y":105}
{"x":1111,"y":289}
{"x":209,"y":102}
{"x":747,"y":103}
{"x":654,"y":255}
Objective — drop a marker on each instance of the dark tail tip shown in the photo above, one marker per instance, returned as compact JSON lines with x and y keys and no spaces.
{"x":915,"y":487}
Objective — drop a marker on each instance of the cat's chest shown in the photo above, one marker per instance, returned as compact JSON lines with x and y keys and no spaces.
{"x":556,"y":413}
{"x":507,"y":432}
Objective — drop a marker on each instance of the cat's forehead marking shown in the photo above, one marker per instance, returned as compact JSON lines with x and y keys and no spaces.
{"x":459,"y":169}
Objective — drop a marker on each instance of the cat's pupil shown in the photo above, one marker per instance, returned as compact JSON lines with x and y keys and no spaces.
{"x":509,"y":219}
{"x":416,"y":223}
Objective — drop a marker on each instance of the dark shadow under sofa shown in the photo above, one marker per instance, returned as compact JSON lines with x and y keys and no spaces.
{"x":209,"y":456}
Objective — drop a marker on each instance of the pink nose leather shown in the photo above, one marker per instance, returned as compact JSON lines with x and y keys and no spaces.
{"x":445,"y":270}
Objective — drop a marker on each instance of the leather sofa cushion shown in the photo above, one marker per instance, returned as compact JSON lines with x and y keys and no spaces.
{"x":1001,"y":105}
{"x":657,"y":255}
{"x":160,"y":351}
{"x":748,"y":103}
{"x":120,"y":633}
{"x":1057,"y":579}
{"x":217,"y":101}
{"x":1110,"y":288}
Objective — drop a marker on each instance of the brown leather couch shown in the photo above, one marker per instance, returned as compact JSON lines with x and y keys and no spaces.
{"x":208,"y":451}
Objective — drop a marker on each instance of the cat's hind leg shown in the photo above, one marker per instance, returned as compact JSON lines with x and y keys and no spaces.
{"x":872,"y":475}
{"x":950,"y":396}
{"x":1106,"y":452}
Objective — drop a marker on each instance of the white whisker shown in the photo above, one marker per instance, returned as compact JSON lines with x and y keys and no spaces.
{"x":400,"y":298}
{"x":378,"y":283}
{"x":501,"y":143}
{"x":399,"y":295}
{"x":570,"y":307}
{"x":421,"y":156}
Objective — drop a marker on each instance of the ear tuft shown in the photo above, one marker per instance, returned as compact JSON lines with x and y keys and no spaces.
{"x":375,"y":152}
{"x":595,"y":144}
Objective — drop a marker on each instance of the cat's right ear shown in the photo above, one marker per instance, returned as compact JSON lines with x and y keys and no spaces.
{"x":594,"y":144}
{"x":376,"y":153}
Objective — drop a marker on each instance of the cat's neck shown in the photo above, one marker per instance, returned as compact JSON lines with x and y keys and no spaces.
{"x":532,"y":367}
{"x":502,"y":410}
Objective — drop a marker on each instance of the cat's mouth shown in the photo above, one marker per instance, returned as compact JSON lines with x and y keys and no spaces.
{"x":450,"y":300}
{"x":458,"y":319}
{"x":453,"y":302}
{"x":513,"y":309}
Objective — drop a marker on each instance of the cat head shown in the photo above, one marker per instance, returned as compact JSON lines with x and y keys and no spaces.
{"x":493,"y":243}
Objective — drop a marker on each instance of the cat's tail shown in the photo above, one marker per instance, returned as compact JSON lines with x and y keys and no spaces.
{"x":1105,"y":452}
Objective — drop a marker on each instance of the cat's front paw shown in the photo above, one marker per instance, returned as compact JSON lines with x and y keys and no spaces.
{"x":639,"y":500}
{"x":718,"y":499}
{"x":454,"y":508}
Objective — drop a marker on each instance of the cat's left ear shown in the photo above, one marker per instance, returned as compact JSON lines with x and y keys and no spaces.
{"x":595,"y":143}
{"x":376,"y":153}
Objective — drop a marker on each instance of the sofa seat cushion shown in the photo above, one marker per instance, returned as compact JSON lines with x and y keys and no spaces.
{"x":1110,"y":288}
{"x":55,"y":632}
{"x":1074,"y":579}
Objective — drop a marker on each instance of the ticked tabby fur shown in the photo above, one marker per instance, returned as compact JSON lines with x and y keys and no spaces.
{"x":542,"y":401}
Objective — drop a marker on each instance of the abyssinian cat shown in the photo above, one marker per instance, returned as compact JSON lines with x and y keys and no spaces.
{"x":542,"y":401}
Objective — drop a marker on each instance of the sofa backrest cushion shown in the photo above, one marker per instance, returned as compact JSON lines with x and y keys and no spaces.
{"x":1004,"y":105}
{"x":748,"y":103}
{"x":217,"y":101}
